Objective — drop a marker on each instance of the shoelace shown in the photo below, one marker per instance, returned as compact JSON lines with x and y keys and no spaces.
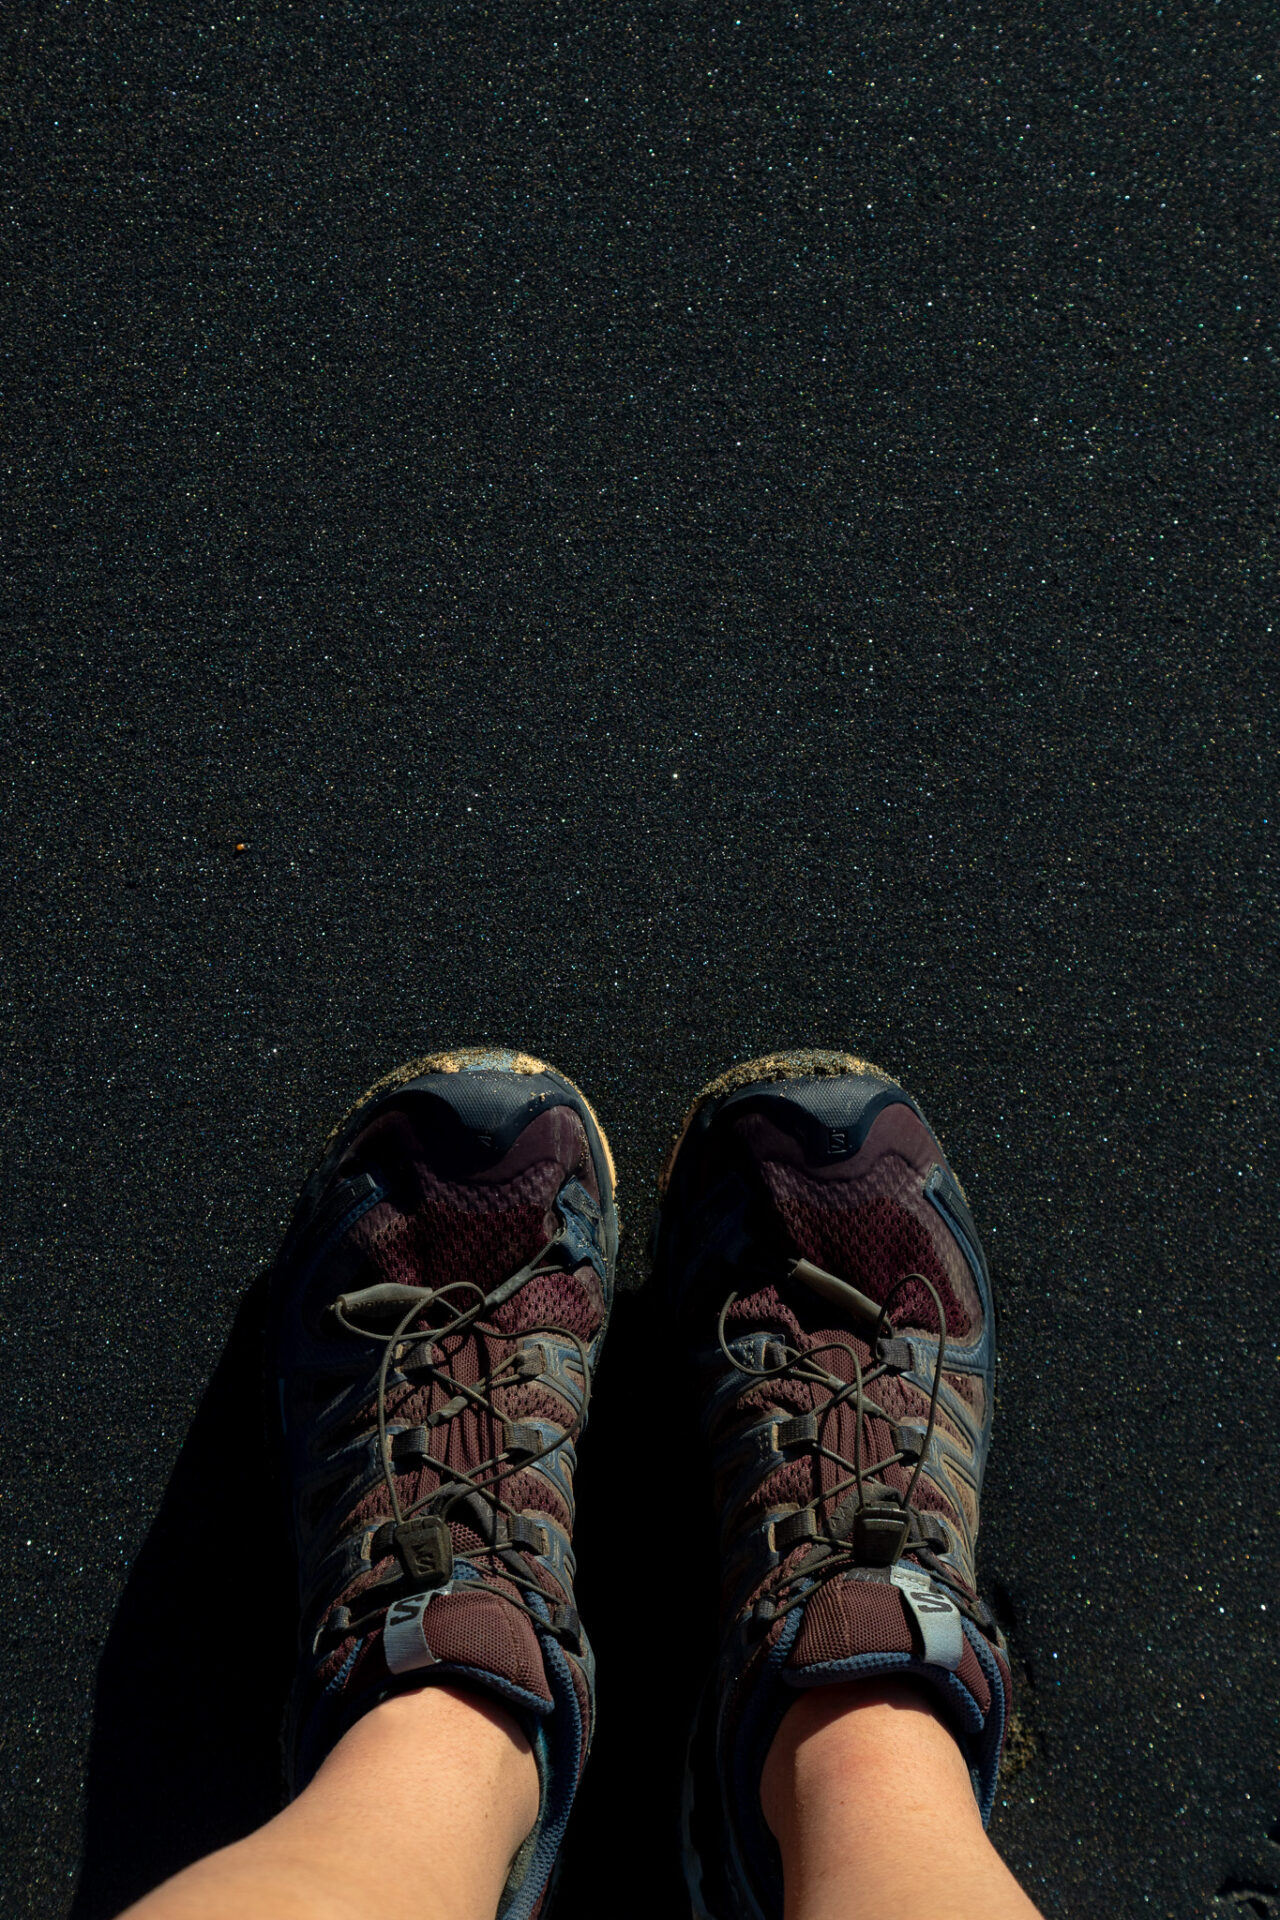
{"x":833,"y":1553}
{"x":427,"y":1553}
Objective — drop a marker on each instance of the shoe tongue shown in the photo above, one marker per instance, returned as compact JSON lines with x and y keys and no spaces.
{"x":846,"y":1618}
{"x":902,"y":1613}
{"x":477,"y":1631}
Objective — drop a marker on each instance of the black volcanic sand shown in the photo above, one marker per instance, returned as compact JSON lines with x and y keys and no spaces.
{"x":646,"y":534}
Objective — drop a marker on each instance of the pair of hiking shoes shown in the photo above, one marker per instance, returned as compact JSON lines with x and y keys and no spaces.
{"x":437,"y":1311}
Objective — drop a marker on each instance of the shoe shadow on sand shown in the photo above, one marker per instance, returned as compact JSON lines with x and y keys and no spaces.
{"x":185,"y":1754}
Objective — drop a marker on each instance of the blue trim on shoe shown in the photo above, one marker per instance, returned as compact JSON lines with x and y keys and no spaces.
{"x":558,"y":1749}
{"x":338,"y":1231}
{"x":339,"y":1679}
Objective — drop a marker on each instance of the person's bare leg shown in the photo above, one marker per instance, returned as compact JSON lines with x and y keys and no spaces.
{"x":415,"y":1815}
{"x":867,"y":1795}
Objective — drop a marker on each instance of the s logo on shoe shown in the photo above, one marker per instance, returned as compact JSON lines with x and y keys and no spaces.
{"x":936,"y":1617}
{"x":404,"y":1638}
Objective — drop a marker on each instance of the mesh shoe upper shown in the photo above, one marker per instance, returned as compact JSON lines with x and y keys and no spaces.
{"x":822,"y":1259}
{"x":439,"y":1307}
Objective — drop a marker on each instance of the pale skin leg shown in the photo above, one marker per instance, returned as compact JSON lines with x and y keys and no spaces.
{"x":867,"y":1795}
{"x":415,"y":1815}
{"x":418,"y":1811}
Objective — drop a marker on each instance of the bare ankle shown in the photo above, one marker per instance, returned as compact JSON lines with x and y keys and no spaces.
{"x":867,"y":1794}
{"x":855,"y":1736}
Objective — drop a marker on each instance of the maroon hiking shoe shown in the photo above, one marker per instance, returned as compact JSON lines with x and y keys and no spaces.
{"x":823,"y":1266}
{"x":438,"y":1308}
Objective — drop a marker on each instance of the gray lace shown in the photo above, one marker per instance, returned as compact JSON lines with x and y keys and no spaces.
{"x":832,"y":1553}
{"x":486,"y":1478}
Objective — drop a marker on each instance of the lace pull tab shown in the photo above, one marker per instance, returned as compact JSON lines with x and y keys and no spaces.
{"x":837,"y":1291}
{"x":425,"y":1547}
{"x":388,"y":1294}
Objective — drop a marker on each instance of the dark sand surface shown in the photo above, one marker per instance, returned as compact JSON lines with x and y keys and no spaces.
{"x":663,"y":532}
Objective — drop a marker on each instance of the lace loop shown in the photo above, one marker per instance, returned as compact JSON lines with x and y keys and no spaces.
{"x":865,"y":1525}
{"x":466,"y":1306}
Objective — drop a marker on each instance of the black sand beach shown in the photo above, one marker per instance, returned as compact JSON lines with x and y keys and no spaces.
{"x":644,"y":534}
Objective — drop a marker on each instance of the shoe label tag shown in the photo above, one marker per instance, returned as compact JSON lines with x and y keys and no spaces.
{"x":404,"y":1637}
{"x":937,"y":1618}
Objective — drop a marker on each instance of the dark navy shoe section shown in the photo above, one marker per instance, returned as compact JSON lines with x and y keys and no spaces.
{"x":832,"y":1115}
{"x":475,"y":1114}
